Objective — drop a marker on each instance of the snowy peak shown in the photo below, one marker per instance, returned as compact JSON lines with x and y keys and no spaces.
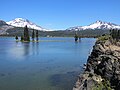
{"x":103,"y":25}
{"x":20,"y":22}
{"x":97,"y":25}
{"x":100,"y":22}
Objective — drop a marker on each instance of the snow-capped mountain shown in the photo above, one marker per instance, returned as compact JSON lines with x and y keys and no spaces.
{"x":20,"y":22}
{"x":97,"y":25}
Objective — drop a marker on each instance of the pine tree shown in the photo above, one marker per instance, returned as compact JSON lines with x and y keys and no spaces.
{"x":110,"y":31}
{"x":33,"y":35}
{"x":16,"y":37}
{"x":76,"y":37}
{"x":22,"y":38}
{"x":26,"y":34}
{"x":37,"y":35}
{"x":113,"y":33}
{"x":119,"y":34}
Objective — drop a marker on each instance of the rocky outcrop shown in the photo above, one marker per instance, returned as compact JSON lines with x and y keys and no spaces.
{"x":103,"y":68}
{"x":2,"y":23}
{"x":4,"y":27}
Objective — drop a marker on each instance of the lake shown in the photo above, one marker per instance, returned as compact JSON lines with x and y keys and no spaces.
{"x":51,"y":64}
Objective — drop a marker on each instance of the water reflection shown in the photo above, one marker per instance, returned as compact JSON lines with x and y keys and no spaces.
{"x":26,"y":48}
{"x":22,"y":50}
{"x":35,"y":48}
{"x":79,"y":39}
{"x":19,"y":51}
{"x":31,"y":48}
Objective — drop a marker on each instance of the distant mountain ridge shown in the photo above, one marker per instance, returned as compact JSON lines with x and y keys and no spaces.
{"x":4,"y":27}
{"x":20,"y":22}
{"x":16,"y":27}
{"x":97,"y":25}
{"x":2,"y":23}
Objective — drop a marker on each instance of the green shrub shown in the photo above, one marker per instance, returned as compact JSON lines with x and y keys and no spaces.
{"x":104,"y":85}
{"x":104,"y":38}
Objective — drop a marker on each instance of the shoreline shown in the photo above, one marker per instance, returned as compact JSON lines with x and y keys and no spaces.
{"x":102,"y":68}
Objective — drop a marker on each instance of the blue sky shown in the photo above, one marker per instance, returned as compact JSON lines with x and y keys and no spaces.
{"x":61,"y":14}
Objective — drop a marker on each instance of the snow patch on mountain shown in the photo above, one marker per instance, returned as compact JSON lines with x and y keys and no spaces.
{"x":20,"y":22}
{"x":97,"y":25}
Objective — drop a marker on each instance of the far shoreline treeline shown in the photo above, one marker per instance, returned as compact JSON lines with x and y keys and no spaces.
{"x":58,"y":33}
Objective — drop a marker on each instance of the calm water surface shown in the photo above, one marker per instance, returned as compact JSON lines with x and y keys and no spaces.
{"x":51,"y":64}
